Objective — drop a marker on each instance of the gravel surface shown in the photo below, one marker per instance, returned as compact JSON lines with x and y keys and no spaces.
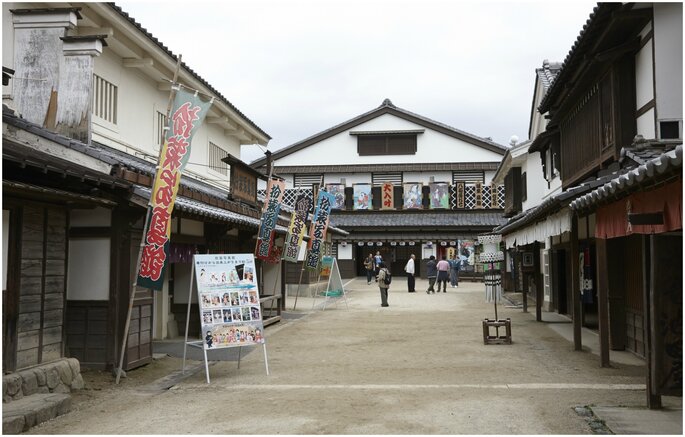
{"x":418,"y":366}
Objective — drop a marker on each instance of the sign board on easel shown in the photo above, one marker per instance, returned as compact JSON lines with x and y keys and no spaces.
{"x":228,"y":300}
{"x":334,"y":285}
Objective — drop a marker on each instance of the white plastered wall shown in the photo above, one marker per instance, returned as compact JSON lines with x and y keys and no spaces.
{"x":432,"y":146}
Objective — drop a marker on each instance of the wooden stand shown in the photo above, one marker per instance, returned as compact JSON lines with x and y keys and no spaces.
{"x":496,"y":339}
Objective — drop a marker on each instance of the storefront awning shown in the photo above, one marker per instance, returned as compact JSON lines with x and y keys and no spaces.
{"x":553,"y":225}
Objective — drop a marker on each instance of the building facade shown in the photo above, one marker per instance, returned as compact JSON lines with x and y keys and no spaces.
{"x":404,"y":184}
{"x":615,"y":136}
{"x":84,"y":114}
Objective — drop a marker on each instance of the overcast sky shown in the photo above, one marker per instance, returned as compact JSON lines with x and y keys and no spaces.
{"x":296,"y":68}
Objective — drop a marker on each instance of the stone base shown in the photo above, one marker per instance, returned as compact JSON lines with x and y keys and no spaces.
{"x":19,"y":416}
{"x":36,"y":394}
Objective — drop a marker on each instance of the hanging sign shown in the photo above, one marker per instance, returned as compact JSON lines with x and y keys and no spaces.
{"x":187,"y":114}
{"x":229,"y":300}
{"x":272,"y":206}
{"x":387,"y":198}
{"x":293,"y":240}
{"x":319,"y":226}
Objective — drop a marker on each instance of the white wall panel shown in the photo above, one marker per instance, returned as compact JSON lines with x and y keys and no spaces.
{"x":88,"y":271}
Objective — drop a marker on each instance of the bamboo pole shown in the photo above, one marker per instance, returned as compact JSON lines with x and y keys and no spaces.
{"x":127,"y":325}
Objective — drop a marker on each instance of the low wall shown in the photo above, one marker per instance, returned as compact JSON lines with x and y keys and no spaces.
{"x":61,"y":376}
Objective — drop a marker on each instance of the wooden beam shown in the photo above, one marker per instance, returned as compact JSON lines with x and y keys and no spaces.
{"x":138,"y":63}
{"x":217,"y":120}
{"x":84,"y":31}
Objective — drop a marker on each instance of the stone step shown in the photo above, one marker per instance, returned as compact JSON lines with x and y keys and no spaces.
{"x":29,"y":411}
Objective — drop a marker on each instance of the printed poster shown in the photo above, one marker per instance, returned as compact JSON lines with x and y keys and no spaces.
{"x":338,"y":192}
{"x":228,"y":298}
{"x":326,"y":266}
{"x":439,"y":195}
{"x":362,"y":196}
{"x":413,"y":196}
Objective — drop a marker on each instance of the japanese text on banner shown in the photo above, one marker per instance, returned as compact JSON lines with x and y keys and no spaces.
{"x":272,"y":206}
{"x":188,"y":113}
{"x":296,"y":230}
{"x":317,"y":234}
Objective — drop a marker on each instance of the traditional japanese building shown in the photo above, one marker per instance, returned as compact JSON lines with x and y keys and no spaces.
{"x":614,"y":139}
{"x":404,"y":184}
{"x":85,"y":96}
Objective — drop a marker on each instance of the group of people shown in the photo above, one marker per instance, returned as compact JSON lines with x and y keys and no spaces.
{"x":440,"y":271}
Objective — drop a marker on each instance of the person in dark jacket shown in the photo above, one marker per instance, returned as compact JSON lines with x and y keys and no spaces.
{"x":382,"y":273}
{"x":431,"y":274}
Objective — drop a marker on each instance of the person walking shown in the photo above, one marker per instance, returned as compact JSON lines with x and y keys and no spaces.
{"x":382,"y":274}
{"x":369,"y":265}
{"x":378,"y":259}
{"x":443,"y":273}
{"x":455,"y":264}
{"x":431,"y":273}
{"x":409,"y":268}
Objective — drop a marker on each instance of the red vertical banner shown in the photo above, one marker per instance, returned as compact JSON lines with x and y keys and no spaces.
{"x":387,"y":196}
{"x":187,"y":115}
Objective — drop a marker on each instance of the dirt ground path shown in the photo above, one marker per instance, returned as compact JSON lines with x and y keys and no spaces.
{"x":418,"y":366}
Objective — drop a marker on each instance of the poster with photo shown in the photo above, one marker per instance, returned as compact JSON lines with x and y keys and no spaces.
{"x":466,"y":252}
{"x":413,"y":196}
{"x":338,"y":192}
{"x":439,"y":195}
{"x":362,"y":196}
{"x":229,"y":300}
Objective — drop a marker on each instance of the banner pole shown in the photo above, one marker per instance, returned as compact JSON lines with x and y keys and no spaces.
{"x":142,"y":239}
{"x":297,"y":293}
{"x":266,"y":360}
{"x":190,"y":298}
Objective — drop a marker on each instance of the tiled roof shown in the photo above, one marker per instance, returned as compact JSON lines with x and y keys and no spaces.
{"x":548,"y":73}
{"x":643,"y":151}
{"x":202,"y":209}
{"x":664,"y":165}
{"x":553,"y":204}
{"x":385,"y":108}
{"x":418,"y":220}
{"x":53,"y":192}
{"x":183,"y":64}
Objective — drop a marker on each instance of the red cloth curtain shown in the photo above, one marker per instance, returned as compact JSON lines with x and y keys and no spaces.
{"x":612,"y":219}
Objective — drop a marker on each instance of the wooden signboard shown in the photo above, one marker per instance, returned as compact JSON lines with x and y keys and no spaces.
{"x":243,"y":182}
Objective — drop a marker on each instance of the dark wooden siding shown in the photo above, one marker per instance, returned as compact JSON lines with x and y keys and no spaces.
{"x":139,"y":345}
{"x":40,"y":316}
{"x":87,"y":337}
{"x":348,"y":268}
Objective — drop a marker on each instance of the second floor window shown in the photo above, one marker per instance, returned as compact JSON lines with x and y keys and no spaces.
{"x":105,"y":96}
{"x":368,"y":145}
{"x":216,"y":153}
{"x":161,"y":124}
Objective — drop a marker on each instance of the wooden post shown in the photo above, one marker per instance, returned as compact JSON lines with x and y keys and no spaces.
{"x":539,"y":285}
{"x":575,"y":285}
{"x":653,"y":397}
{"x":603,"y":301}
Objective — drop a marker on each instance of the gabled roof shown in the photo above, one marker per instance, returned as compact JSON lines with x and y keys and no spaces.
{"x":418,"y":220}
{"x":547,"y":73}
{"x":544,"y":76}
{"x":386,"y":107}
